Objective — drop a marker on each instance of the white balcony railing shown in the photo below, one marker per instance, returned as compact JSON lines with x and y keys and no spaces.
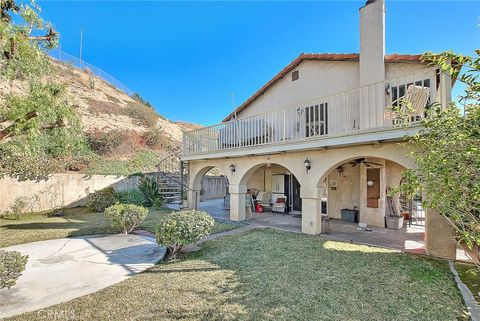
{"x":345,"y":113}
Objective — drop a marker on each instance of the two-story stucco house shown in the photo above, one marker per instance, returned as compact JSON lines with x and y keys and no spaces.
{"x":319,"y":133}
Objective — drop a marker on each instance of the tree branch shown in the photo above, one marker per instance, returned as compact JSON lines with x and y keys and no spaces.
{"x":4,"y":133}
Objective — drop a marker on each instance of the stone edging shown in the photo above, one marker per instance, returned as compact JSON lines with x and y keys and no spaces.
{"x":472,"y":305}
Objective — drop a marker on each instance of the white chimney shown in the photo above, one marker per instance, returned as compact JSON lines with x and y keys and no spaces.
{"x":372,"y":42}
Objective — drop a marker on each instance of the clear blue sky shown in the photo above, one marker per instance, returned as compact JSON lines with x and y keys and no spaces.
{"x":186,"y":58}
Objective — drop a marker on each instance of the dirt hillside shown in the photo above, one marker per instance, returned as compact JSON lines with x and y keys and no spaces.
{"x":118,"y":127}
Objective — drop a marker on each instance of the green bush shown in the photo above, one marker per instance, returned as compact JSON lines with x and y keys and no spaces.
{"x":178,"y":229}
{"x":12,"y":264}
{"x":141,"y":161}
{"x":157,"y":203}
{"x":132,"y":196}
{"x":149,"y":188}
{"x":125,"y":217}
{"x":100,"y":200}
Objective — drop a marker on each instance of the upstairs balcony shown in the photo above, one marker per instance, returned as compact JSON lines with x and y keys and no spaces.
{"x":355,"y":116}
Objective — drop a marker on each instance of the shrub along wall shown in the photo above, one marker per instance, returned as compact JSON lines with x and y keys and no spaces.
{"x":59,"y":191}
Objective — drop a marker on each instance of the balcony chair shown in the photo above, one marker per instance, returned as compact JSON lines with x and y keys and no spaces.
{"x":413,"y":103}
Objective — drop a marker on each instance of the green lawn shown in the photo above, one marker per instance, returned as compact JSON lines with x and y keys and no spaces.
{"x":266,"y":274}
{"x":76,"y":222}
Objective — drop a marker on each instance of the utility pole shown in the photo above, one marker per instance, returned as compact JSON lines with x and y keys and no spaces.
{"x":81,"y":48}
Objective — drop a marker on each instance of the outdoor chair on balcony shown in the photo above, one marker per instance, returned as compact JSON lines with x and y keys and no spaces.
{"x":413,"y":103}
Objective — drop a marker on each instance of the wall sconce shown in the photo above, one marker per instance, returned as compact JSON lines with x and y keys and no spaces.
{"x":307,"y":164}
{"x":232,"y":168}
{"x":370,"y":183}
{"x":268,"y":165}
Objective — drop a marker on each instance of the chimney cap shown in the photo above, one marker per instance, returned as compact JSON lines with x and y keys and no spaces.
{"x":370,"y":1}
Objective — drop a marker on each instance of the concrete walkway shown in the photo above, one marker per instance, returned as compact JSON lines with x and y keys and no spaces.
{"x":64,"y":269}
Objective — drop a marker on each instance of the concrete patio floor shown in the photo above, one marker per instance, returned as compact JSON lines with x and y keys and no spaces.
{"x":407,"y":239}
{"x":64,"y":269}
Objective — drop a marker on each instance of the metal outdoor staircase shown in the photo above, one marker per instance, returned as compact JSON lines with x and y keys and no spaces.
{"x":171,"y":178}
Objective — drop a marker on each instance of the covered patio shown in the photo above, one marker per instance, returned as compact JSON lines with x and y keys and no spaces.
{"x":409,"y":239}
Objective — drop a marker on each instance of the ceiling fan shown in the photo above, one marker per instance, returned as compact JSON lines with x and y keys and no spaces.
{"x":359,"y":161}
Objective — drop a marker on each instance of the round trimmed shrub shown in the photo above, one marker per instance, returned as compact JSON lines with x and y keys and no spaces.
{"x":12,"y":264}
{"x":125,"y":217}
{"x":100,"y":200}
{"x":178,"y":229}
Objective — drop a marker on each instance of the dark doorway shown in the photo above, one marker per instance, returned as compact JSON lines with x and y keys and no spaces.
{"x":292,"y":190}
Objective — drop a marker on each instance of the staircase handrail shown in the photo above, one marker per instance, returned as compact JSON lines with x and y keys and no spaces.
{"x":168,"y":158}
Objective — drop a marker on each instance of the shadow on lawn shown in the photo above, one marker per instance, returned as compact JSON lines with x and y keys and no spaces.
{"x":74,"y":228}
{"x":273,"y":275}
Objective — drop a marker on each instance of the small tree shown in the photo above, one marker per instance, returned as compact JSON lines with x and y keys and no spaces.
{"x":182,"y":228}
{"x":125,"y":217}
{"x":447,"y":152}
{"x":39,"y":131}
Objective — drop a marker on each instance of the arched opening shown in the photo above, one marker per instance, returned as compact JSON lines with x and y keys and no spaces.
{"x":213,"y":194}
{"x":411,"y":207}
{"x":357,"y":190}
{"x":272,"y":195}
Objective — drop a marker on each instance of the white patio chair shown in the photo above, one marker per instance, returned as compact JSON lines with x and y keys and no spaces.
{"x":279,"y":206}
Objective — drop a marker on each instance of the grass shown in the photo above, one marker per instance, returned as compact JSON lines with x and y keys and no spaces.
{"x":470,"y":275}
{"x":76,"y":222}
{"x":272,"y":275}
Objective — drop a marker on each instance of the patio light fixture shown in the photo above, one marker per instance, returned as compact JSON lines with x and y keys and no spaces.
{"x":232,"y":168}
{"x":307,"y":164}
{"x":370,"y":183}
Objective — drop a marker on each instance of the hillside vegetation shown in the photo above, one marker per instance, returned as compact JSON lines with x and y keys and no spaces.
{"x":125,"y":133}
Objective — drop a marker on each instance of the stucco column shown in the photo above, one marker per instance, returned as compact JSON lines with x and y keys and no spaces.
{"x":237,"y":202}
{"x":439,"y":236}
{"x":193,"y":199}
{"x":311,"y":220}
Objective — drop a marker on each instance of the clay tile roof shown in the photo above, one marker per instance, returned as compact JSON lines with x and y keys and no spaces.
{"x":320,"y":57}
{"x":403,"y":58}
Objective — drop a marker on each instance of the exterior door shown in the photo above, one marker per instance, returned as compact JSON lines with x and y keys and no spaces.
{"x":294,"y":200}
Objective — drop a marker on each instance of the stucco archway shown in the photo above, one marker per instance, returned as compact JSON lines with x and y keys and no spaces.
{"x":196,"y":174}
{"x":259,"y":176}
{"x":360,"y":183}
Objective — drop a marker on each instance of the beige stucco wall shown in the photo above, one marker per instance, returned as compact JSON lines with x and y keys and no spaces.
{"x":318,"y":79}
{"x":261,"y":178}
{"x":59,"y":191}
{"x":257,"y":180}
{"x":351,"y":190}
{"x":346,"y":194}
